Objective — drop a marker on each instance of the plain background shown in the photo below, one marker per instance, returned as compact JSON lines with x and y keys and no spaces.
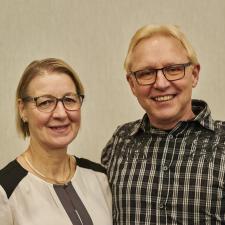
{"x":93,"y":37}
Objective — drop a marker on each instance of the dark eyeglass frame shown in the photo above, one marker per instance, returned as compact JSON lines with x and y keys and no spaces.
{"x":163,"y":69}
{"x":35,"y":99}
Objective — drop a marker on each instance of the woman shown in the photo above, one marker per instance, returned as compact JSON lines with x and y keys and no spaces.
{"x":45,"y":185}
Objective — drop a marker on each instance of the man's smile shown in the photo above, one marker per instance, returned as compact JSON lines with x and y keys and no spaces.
{"x":163,"y":98}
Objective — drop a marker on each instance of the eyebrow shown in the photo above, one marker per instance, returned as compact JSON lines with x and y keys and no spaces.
{"x":50,"y":95}
{"x":155,"y":68}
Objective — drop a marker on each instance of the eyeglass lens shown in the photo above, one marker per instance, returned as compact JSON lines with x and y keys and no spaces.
{"x":48,"y":103}
{"x":148,"y":76}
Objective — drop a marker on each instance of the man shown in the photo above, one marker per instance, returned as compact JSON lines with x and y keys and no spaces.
{"x":168,"y":167}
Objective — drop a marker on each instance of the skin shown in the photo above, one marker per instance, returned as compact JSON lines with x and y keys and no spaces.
{"x":50,"y":133}
{"x":165,"y":102}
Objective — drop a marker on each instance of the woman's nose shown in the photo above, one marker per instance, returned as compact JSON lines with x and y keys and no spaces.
{"x":59,"y":110}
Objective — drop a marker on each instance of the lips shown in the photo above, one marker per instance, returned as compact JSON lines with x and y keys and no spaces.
{"x":60,"y":128}
{"x":163,"y":98}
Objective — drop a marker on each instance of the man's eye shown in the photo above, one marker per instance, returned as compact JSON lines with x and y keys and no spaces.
{"x":174,"y":69}
{"x":145,"y":74}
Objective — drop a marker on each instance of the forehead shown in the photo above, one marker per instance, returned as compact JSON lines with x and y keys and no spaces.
{"x":156,"y":39}
{"x":53,"y":83}
{"x":158,"y":50}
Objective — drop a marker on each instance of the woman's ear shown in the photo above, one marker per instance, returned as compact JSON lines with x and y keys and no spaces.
{"x":22,"y":110}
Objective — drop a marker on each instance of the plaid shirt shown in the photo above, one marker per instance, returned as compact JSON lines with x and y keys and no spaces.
{"x":173,"y":177}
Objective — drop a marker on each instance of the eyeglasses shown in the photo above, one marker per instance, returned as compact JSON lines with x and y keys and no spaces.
{"x":148,"y":76}
{"x":48,"y":103}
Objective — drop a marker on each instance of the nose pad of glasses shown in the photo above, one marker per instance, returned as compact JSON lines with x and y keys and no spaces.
{"x":161,"y":78}
{"x":59,"y":105}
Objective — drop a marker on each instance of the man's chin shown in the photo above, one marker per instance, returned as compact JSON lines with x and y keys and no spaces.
{"x":164,"y":118}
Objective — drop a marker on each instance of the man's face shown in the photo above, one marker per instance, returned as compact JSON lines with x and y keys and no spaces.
{"x":166,"y":102}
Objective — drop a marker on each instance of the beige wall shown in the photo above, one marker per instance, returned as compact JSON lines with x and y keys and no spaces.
{"x":93,"y":36}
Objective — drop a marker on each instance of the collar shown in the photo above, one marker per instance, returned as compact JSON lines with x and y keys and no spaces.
{"x":200,"y":109}
{"x":203,"y":114}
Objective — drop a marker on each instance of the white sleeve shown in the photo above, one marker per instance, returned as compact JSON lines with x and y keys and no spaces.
{"x":5,"y":211}
{"x":108,"y":195}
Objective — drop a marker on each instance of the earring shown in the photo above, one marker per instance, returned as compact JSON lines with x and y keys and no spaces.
{"x":24,"y":120}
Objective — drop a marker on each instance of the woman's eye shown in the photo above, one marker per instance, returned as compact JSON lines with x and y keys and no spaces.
{"x":45,"y":103}
{"x":68,"y":100}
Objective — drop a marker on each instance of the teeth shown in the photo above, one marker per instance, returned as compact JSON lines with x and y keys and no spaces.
{"x":59,"y":128}
{"x":163,"y":98}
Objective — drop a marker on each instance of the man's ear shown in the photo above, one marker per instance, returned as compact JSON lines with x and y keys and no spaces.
{"x":131,"y":82}
{"x":195,"y":75}
{"x":22,"y":110}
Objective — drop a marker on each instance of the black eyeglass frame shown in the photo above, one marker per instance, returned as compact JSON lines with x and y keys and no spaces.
{"x":163,"y":71}
{"x":34,"y":99}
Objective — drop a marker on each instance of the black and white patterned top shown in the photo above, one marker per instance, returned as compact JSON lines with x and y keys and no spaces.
{"x":168,"y":177}
{"x":26,"y":199}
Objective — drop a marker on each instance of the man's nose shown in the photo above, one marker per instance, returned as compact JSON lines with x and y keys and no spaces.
{"x":161,"y":82}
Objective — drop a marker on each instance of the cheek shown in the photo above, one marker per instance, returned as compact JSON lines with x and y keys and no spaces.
{"x":37,"y":126}
{"x":75,"y":117}
{"x":183,"y":85}
{"x":143,"y":91}
{"x":187,"y":86}
{"x":37,"y":119}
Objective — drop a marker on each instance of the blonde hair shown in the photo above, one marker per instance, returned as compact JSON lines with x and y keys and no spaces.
{"x":166,"y":30}
{"x":36,"y":68}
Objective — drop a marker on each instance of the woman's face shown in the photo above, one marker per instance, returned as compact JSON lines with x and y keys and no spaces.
{"x":52,"y":130}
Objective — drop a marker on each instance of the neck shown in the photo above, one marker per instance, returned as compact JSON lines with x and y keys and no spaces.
{"x":169,"y":125}
{"x":53,"y":166}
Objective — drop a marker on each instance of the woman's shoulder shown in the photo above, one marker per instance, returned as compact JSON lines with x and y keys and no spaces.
{"x":11,"y":175}
{"x":91,"y":165}
{"x":89,"y":173}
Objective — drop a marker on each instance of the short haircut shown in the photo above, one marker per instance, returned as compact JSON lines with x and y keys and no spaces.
{"x":164,"y":30}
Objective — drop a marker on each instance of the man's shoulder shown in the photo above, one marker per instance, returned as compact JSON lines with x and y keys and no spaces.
{"x":128,"y":128}
{"x":219,"y":127}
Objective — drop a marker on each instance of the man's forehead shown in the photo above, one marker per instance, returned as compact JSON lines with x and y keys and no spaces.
{"x":158,"y":49}
{"x":155,"y":39}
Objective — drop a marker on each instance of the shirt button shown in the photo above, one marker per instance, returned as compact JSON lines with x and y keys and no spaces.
{"x":170,"y":136}
{"x":165,"y":168}
{"x":161,"y":206}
